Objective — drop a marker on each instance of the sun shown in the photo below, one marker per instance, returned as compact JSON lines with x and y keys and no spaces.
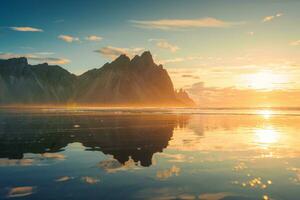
{"x":265,"y":113}
{"x":265,"y":80}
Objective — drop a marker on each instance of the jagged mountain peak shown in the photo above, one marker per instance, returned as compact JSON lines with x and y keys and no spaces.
{"x":145,"y":59}
{"x":122,"y":82}
{"x":147,"y":56}
{"x":14,"y":61}
{"x":122,"y":59}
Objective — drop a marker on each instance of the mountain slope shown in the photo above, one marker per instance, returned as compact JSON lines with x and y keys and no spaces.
{"x":136,"y":81}
{"x":122,"y":82}
{"x":23,"y":83}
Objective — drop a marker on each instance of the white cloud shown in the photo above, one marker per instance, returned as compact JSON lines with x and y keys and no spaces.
{"x":166,"y":24}
{"x":26,"y":29}
{"x":44,"y":53}
{"x":180,"y":59}
{"x":68,"y":38}
{"x":113,"y":52}
{"x":51,"y":60}
{"x":271,"y":17}
{"x":37,"y":57}
{"x":251,"y":33}
{"x":268,"y":18}
{"x":241,"y":97}
{"x":94,"y":38}
{"x":164,"y":44}
{"x":295,"y":43}
{"x":21,"y":191}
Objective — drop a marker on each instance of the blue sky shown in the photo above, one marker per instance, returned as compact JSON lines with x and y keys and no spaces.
{"x":221,"y":43}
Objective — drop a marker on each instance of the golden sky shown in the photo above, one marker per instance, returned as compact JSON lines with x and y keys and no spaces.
{"x":240,"y":52}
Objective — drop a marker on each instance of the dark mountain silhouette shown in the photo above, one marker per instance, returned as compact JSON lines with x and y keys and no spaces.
{"x":137,"y":137}
{"x":122,"y":82}
{"x":24,"y":83}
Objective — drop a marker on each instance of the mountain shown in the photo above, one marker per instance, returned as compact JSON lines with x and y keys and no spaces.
{"x":136,"y":137}
{"x":184,"y":97}
{"x":122,"y":82}
{"x":21,"y":83}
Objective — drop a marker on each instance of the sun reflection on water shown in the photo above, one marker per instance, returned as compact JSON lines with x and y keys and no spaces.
{"x":265,"y":113}
{"x":266,"y":136}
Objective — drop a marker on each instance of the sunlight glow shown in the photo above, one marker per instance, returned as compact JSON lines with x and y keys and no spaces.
{"x":266,"y":113}
{"x":265,"y":80}
{"x":266,"y":136}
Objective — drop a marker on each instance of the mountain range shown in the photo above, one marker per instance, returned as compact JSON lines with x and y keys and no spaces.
{"x":124,"y":81}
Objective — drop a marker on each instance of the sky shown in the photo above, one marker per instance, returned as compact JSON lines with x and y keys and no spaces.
{"x":216,"y":46}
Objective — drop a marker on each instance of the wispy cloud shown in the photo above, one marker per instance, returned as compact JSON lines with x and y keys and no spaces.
{"x":26,"y":29}
{"x":238,"y":97}
{"x":164,"y":44}
{"x":279,"y":14}
{"x":90,"y":180}
{"x":113,"y":52}
{"x":180,"y":59}
{"x":271,"y":17}
{"x":38,"y":56}
{"x":51,"y":60}
{"x":94,"y":38}
{"x":44,"y":53}
{"x":167,"y":24}
{"x":21,"y":191}
{"x":295,"y":43}
{"x":68,"y":38}
{"x":250,"y":33}
{"x":167,"y":173}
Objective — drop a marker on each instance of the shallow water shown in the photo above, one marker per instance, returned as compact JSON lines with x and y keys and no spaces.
{"x":149,"y":154}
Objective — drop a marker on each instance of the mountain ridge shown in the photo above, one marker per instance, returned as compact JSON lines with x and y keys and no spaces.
{"x":124,"y":81}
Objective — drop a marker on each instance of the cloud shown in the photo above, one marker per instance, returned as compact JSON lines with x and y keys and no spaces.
{"x":251,"y":33}
{"x":178,"y":158}
{"x":68,"y":38}
{"x":214,"y":196}
{"x":113,"y":52}
{"x":39,"y":56}
{"x":164,"y":44}
{"x":63,"y":179}
{"x":90,"y":180}
{"x":26,"y":29}
{"x":167,"y":24}
{"x":15,"y":162}
{"x":20,"y":191}
{"x":295,"y":43}
{"x":44,"y":53}
{"x":271,"y":17}
{"x":235,"y":97}
{"x":279,"y":14}
{"x":180,"y":59}
{"x":56,"y":156}
{"x":190,"y":76}
{"x":268,"y":18}
{"x":113,"y":166}
{"x":94,"y":38}
{"x":51,"y":60}
{"x":172,"y":60}
{"x":165,"y":174}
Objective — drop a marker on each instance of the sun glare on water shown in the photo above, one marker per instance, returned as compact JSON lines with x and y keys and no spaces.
{"x":265,"y":113}
{"x":266,"y":136}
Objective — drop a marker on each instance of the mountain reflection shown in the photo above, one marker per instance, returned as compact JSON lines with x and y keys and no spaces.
{"x":137,"y":137}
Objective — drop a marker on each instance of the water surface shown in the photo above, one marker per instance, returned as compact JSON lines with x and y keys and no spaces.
{"x":149,"y":154}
